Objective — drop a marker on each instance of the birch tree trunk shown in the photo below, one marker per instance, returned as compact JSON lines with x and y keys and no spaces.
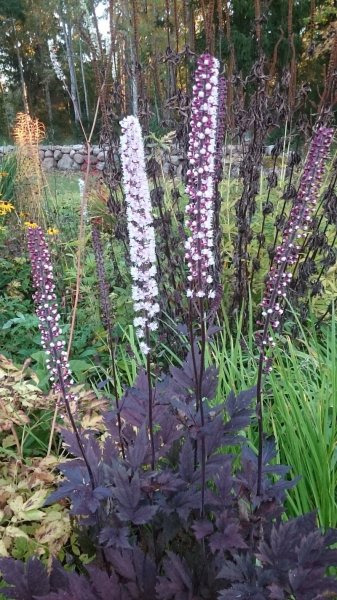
{"x":67,"y":30}
{"x":84,"y":83}
{"x":134,"y":82}
{"x":22,"y":78}
{"x":48,"y":101}
{"x":131,"y":40}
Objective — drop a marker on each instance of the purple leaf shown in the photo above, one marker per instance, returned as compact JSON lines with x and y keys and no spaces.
{"x":183,"y":502}
{"x":245,"y":591}
{"x":134,"y":404}
{"x":167,"y":433}
{"x":229,"y":539}
{"x":104,"y":586}
{"x":236,"y":404}
{"x":144,"y":514}
{"x":122,"y":562}
{"x":101,"y":493}
{"x":210,"y":383}
{"x":202,"y":529}
{"x":58,"y":576}
{"x":276,"y":592}
{"x":24,"y":580}
{"x":176,"y":584}
{"x":138,"y":571}
{"x":138,"y":451}
{"x":117,"y":537}
{"x":126,"y":490}
{"x":37,"y":577}
{"x":186,"y":462}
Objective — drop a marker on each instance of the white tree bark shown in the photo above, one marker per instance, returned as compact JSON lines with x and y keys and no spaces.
{"x":67,"y":30}
{"x":22,"y":78}
{"x":84,"y":83}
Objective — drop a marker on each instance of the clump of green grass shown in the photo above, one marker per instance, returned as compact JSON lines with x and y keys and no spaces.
{"x":301,"y":413}
{"x":299,"y":405}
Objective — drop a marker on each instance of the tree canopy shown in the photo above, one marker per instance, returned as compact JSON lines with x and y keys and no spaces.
{"x":141,"y":52}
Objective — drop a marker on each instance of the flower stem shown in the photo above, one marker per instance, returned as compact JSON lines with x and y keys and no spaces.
{"x":148,"y":372}
{"x":202,"y":416}
{"x":259,"y":415}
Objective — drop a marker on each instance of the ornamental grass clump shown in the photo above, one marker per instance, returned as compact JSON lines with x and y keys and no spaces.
{"x":28,"y":133}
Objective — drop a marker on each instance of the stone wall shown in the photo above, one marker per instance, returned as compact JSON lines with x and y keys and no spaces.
{"x":74,"y":158}
{"x":66,"y":158}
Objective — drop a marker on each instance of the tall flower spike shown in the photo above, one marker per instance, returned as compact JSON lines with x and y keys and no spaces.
{"x":299,"y":222}
{"x":140,"y":228}
{"x":48,"y":315}
{"x":200,"y":177}
{"x":56,"y":64}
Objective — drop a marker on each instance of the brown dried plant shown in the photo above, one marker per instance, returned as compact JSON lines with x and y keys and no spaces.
{"x":30,"y":182}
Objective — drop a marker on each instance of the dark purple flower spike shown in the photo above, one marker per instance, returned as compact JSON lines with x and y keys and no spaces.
{"x":296,"y":229}
{"x":51,"y":333}
{"x":200,"y":177}
{"x":286,"y":256}
{"x":48,"y":315}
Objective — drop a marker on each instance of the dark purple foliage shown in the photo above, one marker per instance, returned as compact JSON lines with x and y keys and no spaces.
{"x":31,"y":580}
{"x":177,"y":583}
{"x":156,"y":542}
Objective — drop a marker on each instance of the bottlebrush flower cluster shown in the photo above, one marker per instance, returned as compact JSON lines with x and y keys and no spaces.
{"x":200,"y":177}
{"x":55,"y":63}
{"x":299,"y":221}
{"x":47,"y":312}
{"x":140,"y":228}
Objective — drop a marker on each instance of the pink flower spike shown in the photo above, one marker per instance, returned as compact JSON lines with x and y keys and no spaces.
{"x":140,"y":228}
{"x":202,"y":154}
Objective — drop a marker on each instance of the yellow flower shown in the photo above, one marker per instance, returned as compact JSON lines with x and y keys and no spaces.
{"x":5,"y":207}
{"x":53,"y":231}
{"x":3,"y":174}
{"x":30,"y":224}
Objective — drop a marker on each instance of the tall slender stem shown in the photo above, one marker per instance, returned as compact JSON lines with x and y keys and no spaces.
{"x":106,"y":316}
{"x":114,"y":378}
{"x":202,"y":416}
{"x":259,"y":414}
{"x":148,"y":372}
